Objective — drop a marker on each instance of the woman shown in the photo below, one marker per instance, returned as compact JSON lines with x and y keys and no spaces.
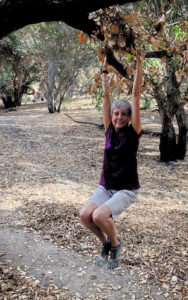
{"x":119,"y":184}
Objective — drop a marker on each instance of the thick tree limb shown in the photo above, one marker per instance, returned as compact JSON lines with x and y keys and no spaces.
{"x":73,"y":12}
{"x":16,"y":14}
{"x":111,"y":60}
{"x":158,"y":54}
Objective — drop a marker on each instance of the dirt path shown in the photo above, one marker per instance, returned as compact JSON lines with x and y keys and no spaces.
{"x":50,"y":166}
{"x":45,"y":262}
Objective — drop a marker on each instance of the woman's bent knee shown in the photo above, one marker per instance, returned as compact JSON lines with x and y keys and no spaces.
{"x":87,"y":211}
{"x":84,"y":216}
{"x":101,"y":214}
{"x":98,"y":217}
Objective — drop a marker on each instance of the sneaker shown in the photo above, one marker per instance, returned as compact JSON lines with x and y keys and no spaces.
{"x":115,"y":256}
{"x":104,"y":252}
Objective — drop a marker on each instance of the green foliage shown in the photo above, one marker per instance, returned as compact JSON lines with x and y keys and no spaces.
{"x":128,"y":57}
{"x":17,"y":69}
{"x":11,"y":47}
{"x":34,"y":47}
{"x":178,"y":33}
{"x":148,"y":103}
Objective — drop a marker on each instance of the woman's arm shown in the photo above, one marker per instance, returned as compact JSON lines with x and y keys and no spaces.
{"x":136,"y":93}
{"x":106,"y":98}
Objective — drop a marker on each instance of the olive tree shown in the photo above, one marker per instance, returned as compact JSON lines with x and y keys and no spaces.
{"x":17,"y":71}
{"x":62,"y":57}
{"x":159,"y":27}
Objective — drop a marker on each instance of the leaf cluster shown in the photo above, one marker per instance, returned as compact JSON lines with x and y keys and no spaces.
{"x":158,"y":27}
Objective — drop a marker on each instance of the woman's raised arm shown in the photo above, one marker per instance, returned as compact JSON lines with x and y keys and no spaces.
{"x":136,"y":93}
{"x":106,"y":96}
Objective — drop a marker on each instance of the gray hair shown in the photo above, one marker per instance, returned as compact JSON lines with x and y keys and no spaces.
{"x":122,"y":104}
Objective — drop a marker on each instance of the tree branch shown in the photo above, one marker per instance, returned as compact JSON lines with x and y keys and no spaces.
{"x":83,"y":122}
{"x":158,"y":54}
{"x":111,"y":60}
{"x":75,"y":13}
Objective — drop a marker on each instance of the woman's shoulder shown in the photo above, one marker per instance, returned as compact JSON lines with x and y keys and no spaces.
{"x":109,"y":129}
{"x":132,"y":131}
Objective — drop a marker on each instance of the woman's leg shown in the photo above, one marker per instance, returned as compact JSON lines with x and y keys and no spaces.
{"x":102,"y":219}
{"x":115,"y":205}
{"x":86,"y":215}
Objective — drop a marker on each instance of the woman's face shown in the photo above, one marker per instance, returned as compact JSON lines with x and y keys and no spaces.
{"x":120,"y":118}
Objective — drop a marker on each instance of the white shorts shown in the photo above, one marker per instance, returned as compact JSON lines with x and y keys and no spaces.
{"x":117,"y":201}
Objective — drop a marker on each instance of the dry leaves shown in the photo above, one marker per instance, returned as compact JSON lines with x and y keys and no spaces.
{"x":133,"y":17}
{"x":15,"y":285}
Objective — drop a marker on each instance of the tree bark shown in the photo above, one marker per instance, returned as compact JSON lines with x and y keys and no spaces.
{"x":167,"y":144}
{"x":170,"y":105}
{"x":7,"y":101}
{"x":182,"y":138}
{"x":18,"y":94}
{"x":172,"y":148}
{"x":52,"y":73}
{"x":50,"y":102}
{"x":74,"y":13}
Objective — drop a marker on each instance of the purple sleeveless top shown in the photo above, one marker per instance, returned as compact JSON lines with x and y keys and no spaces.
{"x":119,"y":169}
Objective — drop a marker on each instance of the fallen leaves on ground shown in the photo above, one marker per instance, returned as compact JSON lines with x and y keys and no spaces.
{"x":15,"y":285}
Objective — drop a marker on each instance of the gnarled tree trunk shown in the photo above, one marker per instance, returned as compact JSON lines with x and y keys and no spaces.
{"x":167,"y":144}
{"x":170,"y":105}
{"x":18,"y":94}
{"x":182,"y":138}
{"x":7,"y":101}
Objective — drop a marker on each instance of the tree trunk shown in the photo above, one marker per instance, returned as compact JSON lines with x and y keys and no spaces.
{"x":7,"y":101}
{"x":50,"y":102}
{"x":171,"y":148}
{"x":60,"y":102}
{"x":182,"y":138}
{"x":49,"y":94}
{"x":167,"y":144}
{"x":18,"y":97}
